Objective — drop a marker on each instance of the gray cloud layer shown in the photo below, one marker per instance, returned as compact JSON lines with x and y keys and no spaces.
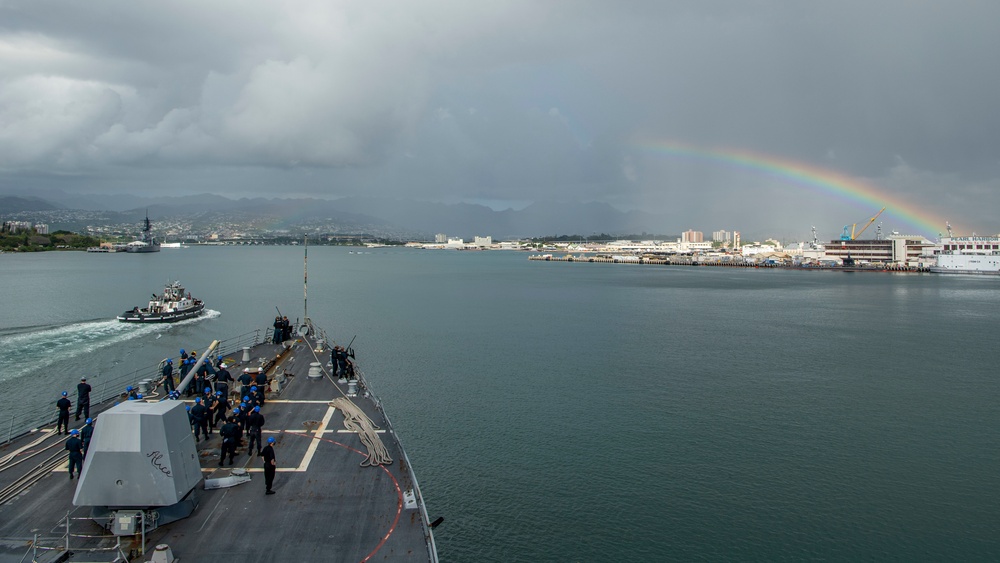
{"x":509,"y":102}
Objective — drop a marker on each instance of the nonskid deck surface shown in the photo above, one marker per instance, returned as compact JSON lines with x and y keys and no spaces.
{"x":327,"y":507}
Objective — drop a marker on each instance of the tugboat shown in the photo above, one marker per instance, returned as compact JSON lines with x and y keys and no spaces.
{"x":147,"y":243}
{"x":174,"y":305}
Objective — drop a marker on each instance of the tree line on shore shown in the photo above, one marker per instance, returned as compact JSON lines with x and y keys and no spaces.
{"x":31,"y":241}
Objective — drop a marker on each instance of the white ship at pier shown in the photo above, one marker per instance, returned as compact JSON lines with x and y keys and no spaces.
{"x":968,"y":255}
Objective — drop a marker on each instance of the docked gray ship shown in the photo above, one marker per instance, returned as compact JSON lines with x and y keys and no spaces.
{"x":148,"y":490}
{"x":146,"y":241}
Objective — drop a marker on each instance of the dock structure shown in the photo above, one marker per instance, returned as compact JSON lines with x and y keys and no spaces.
{"x":694,"y":261}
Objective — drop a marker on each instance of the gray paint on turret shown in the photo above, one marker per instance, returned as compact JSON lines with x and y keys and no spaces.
{"x":142,"y":455}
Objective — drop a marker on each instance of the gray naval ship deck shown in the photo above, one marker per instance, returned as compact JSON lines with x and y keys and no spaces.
{"x":329,"y":504}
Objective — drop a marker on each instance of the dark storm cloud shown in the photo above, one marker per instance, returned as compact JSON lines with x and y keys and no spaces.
{"x":508,"y":101}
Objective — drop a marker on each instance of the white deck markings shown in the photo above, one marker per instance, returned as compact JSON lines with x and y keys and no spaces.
{"x":317,"y":436}
{"x":313,"y":443}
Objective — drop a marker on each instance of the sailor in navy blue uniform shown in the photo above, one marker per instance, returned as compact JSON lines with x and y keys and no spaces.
{"x":64,"y":405}
{"x":255,"y":422}
{"x":246,"y":380}
{"x":278,"y":330}
{"x":240,"y":414}
{"x":86,"y":433}
{"x":270,"y":465}
{"x":210,"y":401}
{"x":168,"y":375}
{"x":75,"y":448}
{"x":261,"y":387}
{"x":200,"y":415}
{"x":220,"y":407}
{"x":83,"y":399}
{"x":222,"y":380}
{"x":229,"y":433}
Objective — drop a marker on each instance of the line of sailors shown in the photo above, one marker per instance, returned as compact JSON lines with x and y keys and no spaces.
{"x":244,"y":420}
{"x":187,"y":362}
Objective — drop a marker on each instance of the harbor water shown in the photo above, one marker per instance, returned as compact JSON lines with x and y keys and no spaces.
{"x":598,"y":412}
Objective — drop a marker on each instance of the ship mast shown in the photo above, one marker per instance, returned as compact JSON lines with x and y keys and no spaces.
{"x":305,"y":281}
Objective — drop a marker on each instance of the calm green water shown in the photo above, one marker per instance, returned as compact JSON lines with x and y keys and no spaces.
{"x":601,"y":412}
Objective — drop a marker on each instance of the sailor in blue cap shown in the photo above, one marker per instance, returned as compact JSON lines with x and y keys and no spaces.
{"x":86,"y":433}
{"x":64,"y":405}
{"x":221,"y":407}
{"x":75,"y":448}
{"x":255,"y":422}
{"x":229,"y":432}
{"x":200,"y":415}
{"x":270,"y":465}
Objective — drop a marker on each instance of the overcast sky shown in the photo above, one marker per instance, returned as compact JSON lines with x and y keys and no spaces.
{"x":510,"y":102}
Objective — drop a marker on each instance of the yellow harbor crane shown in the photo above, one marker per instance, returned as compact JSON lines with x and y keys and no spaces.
{"x":852,"y":235}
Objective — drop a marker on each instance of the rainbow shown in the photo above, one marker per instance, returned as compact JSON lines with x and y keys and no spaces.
{"x":808,"y":176}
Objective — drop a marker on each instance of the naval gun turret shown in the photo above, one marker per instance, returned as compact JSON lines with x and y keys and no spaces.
{"x":141,"y":469}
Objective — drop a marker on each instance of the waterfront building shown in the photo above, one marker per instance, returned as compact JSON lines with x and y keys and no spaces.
{"x":441,"y":238}
{"x":483,"y":241}
{"x":722,"y":236}
{"x":904,"y":250}
{"x":455,"y":243}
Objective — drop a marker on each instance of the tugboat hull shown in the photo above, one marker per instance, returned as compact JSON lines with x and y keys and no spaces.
{"x":143,"y":316}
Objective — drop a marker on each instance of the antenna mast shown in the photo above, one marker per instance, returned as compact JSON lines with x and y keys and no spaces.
{"x":305,"y":280}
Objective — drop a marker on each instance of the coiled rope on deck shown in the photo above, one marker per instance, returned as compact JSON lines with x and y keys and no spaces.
{"x":356,"y":420}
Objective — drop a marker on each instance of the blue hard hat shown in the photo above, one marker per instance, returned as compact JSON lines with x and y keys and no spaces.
{"x":208,"y":389}
{"x":129,"y":388}
{"x":246,"y":399}
{"x":64,"y":393}
{"x":219,"y":393}
{"x":187,"y":407}
{"x":182,"y":350}
{"x":243,"y":405}
{"x":138,"y":395}
{"x":74,"y":432}
{"x":89,"y":420}
{"x":254,"y":388}
{"x":218,"y":358}
{"x":169,"y":361}
{"x":270,"y":439}
{"x":197,"y":399}
{"x":256,"y":409}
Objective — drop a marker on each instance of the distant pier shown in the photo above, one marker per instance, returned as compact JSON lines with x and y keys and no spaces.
{"x":691,"y":261}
